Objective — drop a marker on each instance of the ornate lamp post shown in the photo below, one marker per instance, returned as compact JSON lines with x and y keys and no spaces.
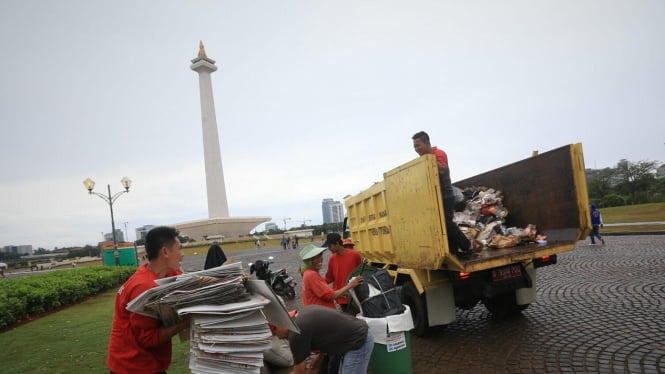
{"x":109,"y":199}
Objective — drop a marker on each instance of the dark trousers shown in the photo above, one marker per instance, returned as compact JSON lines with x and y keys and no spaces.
{"x":456,"y":238}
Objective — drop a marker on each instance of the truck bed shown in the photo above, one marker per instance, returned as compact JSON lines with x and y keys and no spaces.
{"x":400,"y":220}
{"x":491,"y":258}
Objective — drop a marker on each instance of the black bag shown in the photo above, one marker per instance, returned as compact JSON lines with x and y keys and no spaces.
{"x":387,"y":303}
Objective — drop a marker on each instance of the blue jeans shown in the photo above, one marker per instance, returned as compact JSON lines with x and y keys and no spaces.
{"x":356,"y":362}
{"x":595,"y":233}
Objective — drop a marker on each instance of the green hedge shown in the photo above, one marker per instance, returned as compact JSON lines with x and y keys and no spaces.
{"x":25,"y":296}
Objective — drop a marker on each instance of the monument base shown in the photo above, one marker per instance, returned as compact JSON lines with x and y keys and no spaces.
{"x":220,"y":227}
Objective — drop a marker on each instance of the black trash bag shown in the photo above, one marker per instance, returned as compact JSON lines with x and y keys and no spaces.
{"x":215,"y":257}
{"x":387,"y":303}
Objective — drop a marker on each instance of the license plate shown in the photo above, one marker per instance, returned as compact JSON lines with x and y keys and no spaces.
{"x":506,"y":272}
{"x":288,"y":280}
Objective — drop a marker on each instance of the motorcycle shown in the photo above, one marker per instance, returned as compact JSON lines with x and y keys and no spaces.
{"x":280,"y":282}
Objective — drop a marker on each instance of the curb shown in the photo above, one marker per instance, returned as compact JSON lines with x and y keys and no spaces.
{"x":633,"y":233}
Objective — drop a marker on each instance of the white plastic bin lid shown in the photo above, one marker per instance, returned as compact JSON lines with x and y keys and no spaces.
{"x":380,"y":327}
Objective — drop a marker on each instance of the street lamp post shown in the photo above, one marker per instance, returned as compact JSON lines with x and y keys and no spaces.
{"x":110,"y":199}
{"x":285,"y":219}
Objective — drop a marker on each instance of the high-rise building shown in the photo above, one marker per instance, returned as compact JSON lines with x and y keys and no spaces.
{"x":271,"y":226}
{"x":333,"y":211}
{"x":142,"y":231}
{"x":119,"y":236}
{"x":19,"y":249}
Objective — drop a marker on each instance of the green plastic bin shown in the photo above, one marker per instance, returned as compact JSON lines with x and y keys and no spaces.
{"x":392,"y":343}
{"x":394,"y":357}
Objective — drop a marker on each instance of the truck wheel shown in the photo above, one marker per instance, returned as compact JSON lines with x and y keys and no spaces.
{"x":504,"y":305}
{"x":418,"y":306}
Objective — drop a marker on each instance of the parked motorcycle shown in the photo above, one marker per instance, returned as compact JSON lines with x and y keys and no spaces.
{"x":280,"y":282}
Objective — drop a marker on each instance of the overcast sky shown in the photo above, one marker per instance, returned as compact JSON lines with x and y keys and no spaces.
{"x":314,"y":100}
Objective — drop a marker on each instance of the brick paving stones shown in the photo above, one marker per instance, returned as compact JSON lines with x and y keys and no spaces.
{"x":601,"y":309}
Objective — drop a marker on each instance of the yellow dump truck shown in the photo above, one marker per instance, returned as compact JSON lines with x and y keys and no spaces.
{"x":398,"y":225}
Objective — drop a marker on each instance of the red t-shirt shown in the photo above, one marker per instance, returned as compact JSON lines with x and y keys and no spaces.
{"x":135,"y":346}
{"x":339,"y":268}
{"x":441,"y":156}
{"x":446,"y":186}
{"x":315,"y":290}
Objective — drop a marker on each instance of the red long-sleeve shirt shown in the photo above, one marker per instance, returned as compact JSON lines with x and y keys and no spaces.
{"x":315,"y":290}
{"x":135,"y":345}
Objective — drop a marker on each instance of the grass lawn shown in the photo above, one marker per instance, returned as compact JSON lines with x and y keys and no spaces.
{"x":72,"y":340}
{"x":654,"y":212}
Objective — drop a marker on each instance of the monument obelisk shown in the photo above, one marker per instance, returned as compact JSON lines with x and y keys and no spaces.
{"x":219,"y":224}
{"x":217,"y":203}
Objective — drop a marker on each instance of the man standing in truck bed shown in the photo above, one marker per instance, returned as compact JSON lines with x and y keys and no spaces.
{"x":457,"y":241}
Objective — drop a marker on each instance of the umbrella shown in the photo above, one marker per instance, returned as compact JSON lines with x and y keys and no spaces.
{"x":3,"y":265}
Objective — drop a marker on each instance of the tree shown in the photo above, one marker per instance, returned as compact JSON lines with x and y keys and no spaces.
{"x":636,"y":177}
{"x":601,"y":185}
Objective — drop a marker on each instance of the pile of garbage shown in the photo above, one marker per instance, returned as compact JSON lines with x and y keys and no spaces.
{"x":481,"y":215}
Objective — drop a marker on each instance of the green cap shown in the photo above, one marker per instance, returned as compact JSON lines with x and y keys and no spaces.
{"x":311,"y":251}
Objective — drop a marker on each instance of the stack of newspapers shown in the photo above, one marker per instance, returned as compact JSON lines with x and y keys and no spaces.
{"x":229,"y":317}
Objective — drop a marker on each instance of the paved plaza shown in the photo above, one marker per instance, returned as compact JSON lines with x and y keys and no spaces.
{"x":601,"y":309}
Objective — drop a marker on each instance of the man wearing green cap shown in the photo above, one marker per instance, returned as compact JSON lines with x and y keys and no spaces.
{"x":315,"y":290}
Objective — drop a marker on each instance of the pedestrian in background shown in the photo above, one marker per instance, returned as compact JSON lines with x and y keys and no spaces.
{"x":596,"y":224}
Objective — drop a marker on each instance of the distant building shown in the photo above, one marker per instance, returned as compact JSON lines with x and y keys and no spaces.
{"x":18,"y":249}
{"x":142,"y":231}
{"x":306,"y":233}
{"x":271,"y":226}
{"x":119,"y":236}
{"x":333,"y":211}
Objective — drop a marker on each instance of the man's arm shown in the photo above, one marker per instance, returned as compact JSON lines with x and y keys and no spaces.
{"x":354,"y":283}
{"x":168,"y":332}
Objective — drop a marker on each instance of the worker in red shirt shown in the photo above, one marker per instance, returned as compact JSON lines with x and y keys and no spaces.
{"x":458,"y":243}
{"x":342,"y":262}
{"x":141,"y":344}
{"x":315,"y":290}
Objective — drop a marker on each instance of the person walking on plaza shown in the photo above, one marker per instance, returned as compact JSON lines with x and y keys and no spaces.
{"x":315,"y":290}
{"x":140,"y":344}
{"x":596,"y":224}
{"x":333,"y":333}
{"x":458,"y":243}
{"x":342,"y":262}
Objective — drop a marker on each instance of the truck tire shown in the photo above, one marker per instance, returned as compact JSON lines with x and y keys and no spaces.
{"x":503,"y":305}
{"x":418,"y":306}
